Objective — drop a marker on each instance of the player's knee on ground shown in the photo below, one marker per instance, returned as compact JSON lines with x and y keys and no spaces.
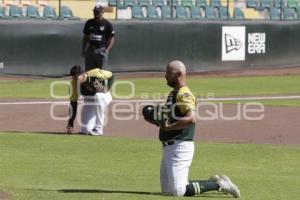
{"x":179,"y":191}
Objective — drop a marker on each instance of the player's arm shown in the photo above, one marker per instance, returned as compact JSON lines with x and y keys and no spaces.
{"x":189,"y":118}
{"x":85,"y":40}
{"x":111,"y":43}
{"x":111,"y":38}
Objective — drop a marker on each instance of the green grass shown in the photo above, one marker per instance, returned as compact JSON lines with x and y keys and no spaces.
{"x":40,"y":166}
{"x":154,"y":88}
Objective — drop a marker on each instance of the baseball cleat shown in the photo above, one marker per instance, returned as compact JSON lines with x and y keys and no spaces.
{"x":95,"y":133}
{"x":228,"y":187}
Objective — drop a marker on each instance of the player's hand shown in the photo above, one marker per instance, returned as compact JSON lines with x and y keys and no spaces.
{"x":69,"y":129}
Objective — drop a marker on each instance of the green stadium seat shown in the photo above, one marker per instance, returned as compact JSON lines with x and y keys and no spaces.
{"x":223,"y":12}
{"x":275,"y":13}
{"x":152,"y":12}
{"x":127,"y":3}
{"x":174,"y":3}
{"x":267,"y":4}
{"x":181,"y":13}
{"x":137,"y":13}
{"x":49,"y":12}
{"x":195,"y":12}
{"x":187,"y":3}
{"x":278,"y":3}
{"x":211,"y":13}
{"x":66,"y":13}
{"x":292,"y":3}
{"x":15,"y":11}
{"x":2,"y":13}
{"x":238,"y":14}
{"x":215,"y":3}
{"x":158,"y":2}
{"x":289,"y":14}
{"x":113,"y":2}
{"x":32,"y":12}
{"x":144,"y":2}
{"x":166,"y":12}
{"x":252,"y":4}
{"x":201,"y":3}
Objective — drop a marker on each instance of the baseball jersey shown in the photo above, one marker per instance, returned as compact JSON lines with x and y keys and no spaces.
{"x":73,"y":90}
{"x":180,"y":102}
{"x":99,"y":32}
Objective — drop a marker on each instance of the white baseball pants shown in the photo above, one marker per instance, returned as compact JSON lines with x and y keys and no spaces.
{"x":93,"y":113}
{"x":175,"y":165}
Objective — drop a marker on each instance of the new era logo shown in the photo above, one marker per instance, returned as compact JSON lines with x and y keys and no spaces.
{"x":232,"y":43}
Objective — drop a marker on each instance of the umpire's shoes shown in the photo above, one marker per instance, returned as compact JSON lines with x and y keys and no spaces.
{"x":228,"y":187}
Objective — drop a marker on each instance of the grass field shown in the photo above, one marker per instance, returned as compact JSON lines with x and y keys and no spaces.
{"x":220,"y":87}
{"x":41,"y":166}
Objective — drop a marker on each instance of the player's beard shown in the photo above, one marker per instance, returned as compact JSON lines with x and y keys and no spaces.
{"x":172,"y":83}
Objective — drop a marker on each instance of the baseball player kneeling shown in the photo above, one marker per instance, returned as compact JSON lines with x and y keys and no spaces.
{"x":176,"y":120}
{"x":94,"y":86}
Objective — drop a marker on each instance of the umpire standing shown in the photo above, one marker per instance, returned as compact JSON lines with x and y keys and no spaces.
{"x":98,"y":39}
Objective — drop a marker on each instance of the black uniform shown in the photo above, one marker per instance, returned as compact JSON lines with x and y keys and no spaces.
{"x":99,"y":33}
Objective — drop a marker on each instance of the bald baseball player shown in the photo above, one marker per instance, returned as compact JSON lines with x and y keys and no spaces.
{"x":177,"y":135}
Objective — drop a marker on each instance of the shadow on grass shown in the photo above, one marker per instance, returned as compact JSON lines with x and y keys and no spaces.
{"x":206,"y":195}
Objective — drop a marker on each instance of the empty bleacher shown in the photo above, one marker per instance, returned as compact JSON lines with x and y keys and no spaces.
{"x":153,"y":9}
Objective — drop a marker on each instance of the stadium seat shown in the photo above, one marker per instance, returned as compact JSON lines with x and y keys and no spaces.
{"x":158,"y":2}
{"x":278,"y":3}
{"x":144,"y":2}
{"x":137,"y":13}
{"x":2,"y":13}
{"x":215,"y":3}
{"x":289,"y":14}
{"x":253,"y":4}
{"x":15,"y":11}
{"x":201,"y":3}
{"x":174,"y":3}
{"x":238,"y":14}
{"x":292,"y":3}
{"x":187,"y":3}
{"x":195,"y":12}
{"x":166,"y":12}
{"x":181,"y":12}
{"x":66,"y":13}
{"x":275,"y":13}
{"x":32,"y":12}
{"x":152,"y":12}
{"x":127,"y":3}
{"x":267,"y":4}
{"x":223,"y":13}
{"x":211,"y":13}
{"x":113,"y":2}
{"x":49,"y":12}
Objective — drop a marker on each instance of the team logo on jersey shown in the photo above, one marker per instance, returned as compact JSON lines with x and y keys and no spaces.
{"x":101,"y":28}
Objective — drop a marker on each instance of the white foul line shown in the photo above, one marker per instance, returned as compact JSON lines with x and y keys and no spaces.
{"x":154,"y":100}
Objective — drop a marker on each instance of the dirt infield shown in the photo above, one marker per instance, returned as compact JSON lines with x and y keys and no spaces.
{"x":3,"y":195}
{"x":280,"y":125}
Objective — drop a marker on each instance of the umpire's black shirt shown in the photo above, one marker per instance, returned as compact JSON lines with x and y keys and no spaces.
{"x":99,"y":32}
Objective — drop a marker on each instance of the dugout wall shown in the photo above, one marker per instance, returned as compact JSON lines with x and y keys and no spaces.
{"x":50,"y":48}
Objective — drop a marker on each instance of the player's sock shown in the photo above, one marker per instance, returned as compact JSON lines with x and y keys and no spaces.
{"x":199,"y":187}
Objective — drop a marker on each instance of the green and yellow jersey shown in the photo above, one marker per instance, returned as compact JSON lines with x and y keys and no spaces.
{"x":106,"y":76}
{"x":179,"y":102}
{"x":73,"y":90}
